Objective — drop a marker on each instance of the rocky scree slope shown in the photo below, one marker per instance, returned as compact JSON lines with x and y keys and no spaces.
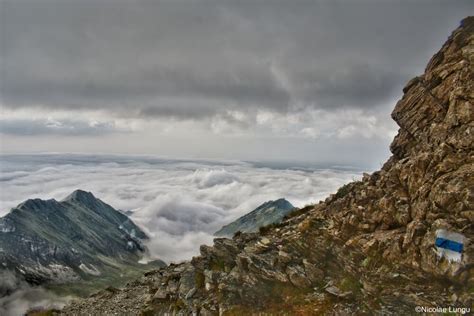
{"x":369,"y":248}
{"x":49,"y":241}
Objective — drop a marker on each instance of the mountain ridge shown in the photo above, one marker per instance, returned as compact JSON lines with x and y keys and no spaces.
{"x":49,"y":241}
{"x":270,"y":212}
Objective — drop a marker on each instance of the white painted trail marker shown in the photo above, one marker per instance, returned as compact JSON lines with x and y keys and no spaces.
{"x":449,"y":245}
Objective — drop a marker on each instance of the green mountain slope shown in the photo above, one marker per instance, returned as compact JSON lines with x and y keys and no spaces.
{"x":78,"y":238}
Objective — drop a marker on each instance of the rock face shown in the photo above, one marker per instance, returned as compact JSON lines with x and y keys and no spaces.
{"x":369,"y":248}
{"x":270,"y":212}
{"x":61,"y":242}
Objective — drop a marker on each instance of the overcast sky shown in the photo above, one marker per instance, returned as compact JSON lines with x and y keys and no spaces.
{"x":273,"y":80}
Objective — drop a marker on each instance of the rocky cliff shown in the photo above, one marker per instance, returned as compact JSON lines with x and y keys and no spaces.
{"x":368,"y":249}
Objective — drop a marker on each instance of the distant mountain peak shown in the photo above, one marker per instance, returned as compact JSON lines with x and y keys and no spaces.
{"x":79,"y":231}
{"x":81,"y":195}
{"x":281,"y":202}
{"x":267,"y":213}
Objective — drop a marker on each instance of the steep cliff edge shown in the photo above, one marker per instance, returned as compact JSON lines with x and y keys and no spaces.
{"x":369,"y":248}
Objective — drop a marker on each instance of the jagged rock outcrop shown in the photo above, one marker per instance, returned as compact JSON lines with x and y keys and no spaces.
{"x":369,"y":248}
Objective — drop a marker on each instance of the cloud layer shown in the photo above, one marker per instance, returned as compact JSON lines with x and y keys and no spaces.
{"x":65,"y":127}
{"x":196,"y":60}
{"x":179,"y":203}
{"x":187,"y":78}
{"x":17,"y":297}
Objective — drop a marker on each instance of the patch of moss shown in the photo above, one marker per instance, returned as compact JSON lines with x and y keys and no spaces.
{"x":277,"y":298}
{"x":350,"y":284}
{"x":217,"y":265}
{"x":199,"y":279}
{"x":365,"y":263}
{"x":48,"y":312}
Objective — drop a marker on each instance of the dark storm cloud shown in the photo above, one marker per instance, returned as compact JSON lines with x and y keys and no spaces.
{"x":356,"y":85}
{"x":200,"y":59}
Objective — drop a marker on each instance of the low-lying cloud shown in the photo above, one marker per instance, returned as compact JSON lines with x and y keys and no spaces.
{"x":57,"y":127}
{"x":206,"y":178}
{"x":179,"y":203}
{"x":17,"y":297}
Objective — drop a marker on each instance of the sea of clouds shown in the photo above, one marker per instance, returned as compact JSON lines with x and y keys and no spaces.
{"x":17,"y":297}
{"x":178,"y":203}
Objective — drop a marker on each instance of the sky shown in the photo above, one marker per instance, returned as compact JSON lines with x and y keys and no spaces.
{"x":247,"y":80}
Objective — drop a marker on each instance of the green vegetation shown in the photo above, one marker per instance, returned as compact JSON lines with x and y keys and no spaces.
{"x":110,"y":277}
{"x":217,"y":264}
{"x":344,"y":190}
{"x":365,"y":263}
{"x":47,"y":312}
{"x":298,"y":212}
{"x":277,"y":298}
{"x":265,"y":229}
{"x":351,"y":284}
{"x":199,"y":279}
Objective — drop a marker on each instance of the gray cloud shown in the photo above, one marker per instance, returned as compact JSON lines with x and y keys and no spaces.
{"x":354,"y":85}
{"x":56,"y":127}
{"x":200,"y":59}
{"x":18,"y":297}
